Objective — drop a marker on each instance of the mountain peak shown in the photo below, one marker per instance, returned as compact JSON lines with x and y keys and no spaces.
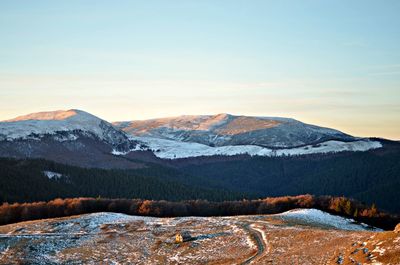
{"x":223,"y":115}
{"x":45,"y":115}
{"x":56,"y":115}
{"x":226,"y":129}
{"x":50,"y":122}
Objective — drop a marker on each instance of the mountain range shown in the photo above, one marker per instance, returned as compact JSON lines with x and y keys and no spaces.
{"x":242,"y":155}
{"x":37,"y":134}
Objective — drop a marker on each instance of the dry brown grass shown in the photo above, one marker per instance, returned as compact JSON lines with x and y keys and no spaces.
{"x":245,"y":124}
{"x":217,"y":240}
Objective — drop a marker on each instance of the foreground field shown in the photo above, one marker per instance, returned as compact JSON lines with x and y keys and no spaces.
{"x":295,"y":237}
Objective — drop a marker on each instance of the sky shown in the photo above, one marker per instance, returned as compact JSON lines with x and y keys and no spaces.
{"x":329,"y":63}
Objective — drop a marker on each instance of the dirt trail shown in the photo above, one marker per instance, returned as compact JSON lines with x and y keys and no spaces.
{"x":111,"y":238}
{"x":259,"y":242}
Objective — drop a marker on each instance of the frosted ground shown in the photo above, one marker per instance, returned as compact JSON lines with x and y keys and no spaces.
{"x":302,"y":236}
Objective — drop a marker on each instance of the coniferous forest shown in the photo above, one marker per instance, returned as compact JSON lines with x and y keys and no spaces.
{"x":25,"y":181}
{"x":369,"y":177}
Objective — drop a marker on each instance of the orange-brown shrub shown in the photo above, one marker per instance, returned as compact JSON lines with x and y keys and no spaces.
{"x":16,"y":212}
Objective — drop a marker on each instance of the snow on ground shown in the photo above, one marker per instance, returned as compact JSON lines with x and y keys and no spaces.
{"x":82,"y":224}
{"x":263,"y":234}
{"x":379,"y":250}
{"x":179,"y":123}
{"x":318,"y":217}
{"x":112,"y":238}
{"x":29,"y":126}
{"x":44,"y":242}
{"x":94,"y":221}
{"x":250,"y":243}
{"x":52,"y":175}
{"x":122,"y":153}
{"x":170,"y":149}
{"x":49,"y":123}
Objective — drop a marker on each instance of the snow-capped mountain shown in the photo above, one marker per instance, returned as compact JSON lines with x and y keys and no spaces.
{"x":81,"y":136}
{"x":71,"y":136}
{"x":225,"y":129}
{"x":229,"y":135}
{"x":63,"y":126}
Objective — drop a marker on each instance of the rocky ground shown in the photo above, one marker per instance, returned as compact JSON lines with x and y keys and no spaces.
{"x":297,"y":237}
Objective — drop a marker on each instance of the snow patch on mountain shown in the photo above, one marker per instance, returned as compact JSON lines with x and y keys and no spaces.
{"x":64,"y":126}
{"x":184,"y":122}
{"x":187,"y":136}
{"x":226,"y":129}
{"x":138,"y":147}
{"x":46,"y":115}
{"x":318,"y":217}
{"x":50,"y":123}
{"x":52,"y":175}
{"x":170,"y":149}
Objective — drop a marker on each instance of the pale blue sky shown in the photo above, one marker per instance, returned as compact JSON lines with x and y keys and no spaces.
{"x":332,"y":63}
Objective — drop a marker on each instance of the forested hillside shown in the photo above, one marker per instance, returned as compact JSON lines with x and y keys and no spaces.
{"x":26,"y":181}
{"x":372,"y":177}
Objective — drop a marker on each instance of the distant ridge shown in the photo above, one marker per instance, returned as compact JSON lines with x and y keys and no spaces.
{"x":226,"y":129}
{"x":43,"y":133}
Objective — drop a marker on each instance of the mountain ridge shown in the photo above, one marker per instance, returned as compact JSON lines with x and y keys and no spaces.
{"x":74,"y":122}
{"x":368,"y":166}
{"x":72,"y":136}
{"x":226,"y":129}
{"x":40,"y":134}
